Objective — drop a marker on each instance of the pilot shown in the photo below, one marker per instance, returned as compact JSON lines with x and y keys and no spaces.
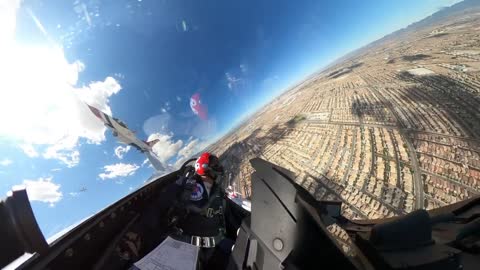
{"x":195,"y":209}
{"x":203,"y":221}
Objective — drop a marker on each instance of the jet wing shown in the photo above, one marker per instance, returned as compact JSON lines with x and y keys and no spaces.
{"x":120,"y":130}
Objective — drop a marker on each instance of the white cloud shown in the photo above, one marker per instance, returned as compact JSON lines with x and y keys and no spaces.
{"x":74,"y":194}
{"x":120,"y":151}
{"x":29,"y":150}
{"x":166,"y":107}
{"x":144,"y":162}
{"x":179,"y":99}
{"x":64,"y":151}
{"x":85,"y":12}
{"x":39,"y":86}
{"x":243,"y":68}
{"x":119,"y":75}
{"x":184,"y":26}
{"x":165,"y":148}
{"x":42,"y":190}
{"x":8,"y":20}
{"x":118,"y":170}
{"x":180,"y":125}
{"x":232,"y":80}
{"x":189,"y":149}
{"x":6,"y":162}
{"x":194,"y":146}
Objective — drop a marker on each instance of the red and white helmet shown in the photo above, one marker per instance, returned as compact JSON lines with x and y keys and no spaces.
{"x":208,"y":164}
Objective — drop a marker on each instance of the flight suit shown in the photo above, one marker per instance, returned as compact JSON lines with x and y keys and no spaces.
{"x":203,"y":224}
{"x":205,"y":212}
{"x":198,"y":214}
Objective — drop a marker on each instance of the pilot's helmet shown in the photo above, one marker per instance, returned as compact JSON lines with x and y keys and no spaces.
{"x":208,"y":164}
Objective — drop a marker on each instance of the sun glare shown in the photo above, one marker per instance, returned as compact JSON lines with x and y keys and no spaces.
{"x":37,"y":82}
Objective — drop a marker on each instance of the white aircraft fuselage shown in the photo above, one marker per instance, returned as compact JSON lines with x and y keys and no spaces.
{"x":127,"y":136}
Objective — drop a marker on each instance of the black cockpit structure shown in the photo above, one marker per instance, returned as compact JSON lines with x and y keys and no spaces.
{"x":286,"y":229}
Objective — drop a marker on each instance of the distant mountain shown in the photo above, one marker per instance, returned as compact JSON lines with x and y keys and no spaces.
{"x":445,"y":12}
{"x":435,"y":18}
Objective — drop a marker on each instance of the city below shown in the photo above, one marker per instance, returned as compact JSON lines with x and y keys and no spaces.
{"x":388,"y":129}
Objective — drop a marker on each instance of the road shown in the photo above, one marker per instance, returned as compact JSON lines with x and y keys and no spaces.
{"x":418,"y":185}
{"x":350,"y":161}
{"x":417,"y":180}
{"x":397,"y":160}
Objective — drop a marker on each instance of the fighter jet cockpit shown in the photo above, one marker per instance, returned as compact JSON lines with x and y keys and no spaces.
{"x":239,"y":135}
{"x":142,"y":231}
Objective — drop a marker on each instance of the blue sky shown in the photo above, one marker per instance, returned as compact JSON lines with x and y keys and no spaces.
{"x":142,"y":61}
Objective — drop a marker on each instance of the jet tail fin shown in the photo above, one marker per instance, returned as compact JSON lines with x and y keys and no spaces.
{"x":156,"y":163}
{"x":152,"y":142}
